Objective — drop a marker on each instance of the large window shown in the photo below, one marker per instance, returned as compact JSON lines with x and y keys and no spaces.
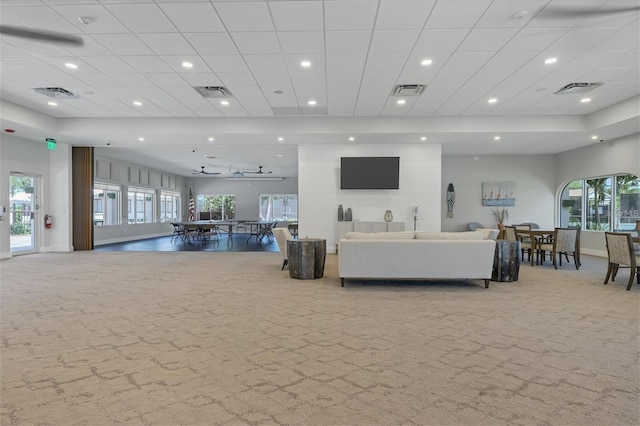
{"x":601,"y":204}
{"x":140,"y":205}
{"x":221,"y":206}
{"x":169,"y":206}
{"x":107,"y":200}
{"x":280,"y":207}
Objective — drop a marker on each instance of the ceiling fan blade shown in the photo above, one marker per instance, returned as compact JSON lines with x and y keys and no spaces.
{"x":202,"y":172}
{"x":46,"y":36}
{"x":258,"y":172}
{"x":568,"y":12}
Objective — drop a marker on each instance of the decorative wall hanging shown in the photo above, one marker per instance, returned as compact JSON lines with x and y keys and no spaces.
{"x":498,"y":194}
{"x":451,"y":199}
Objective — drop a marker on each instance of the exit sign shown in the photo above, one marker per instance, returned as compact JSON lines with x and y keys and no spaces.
{"x":51,"y":144}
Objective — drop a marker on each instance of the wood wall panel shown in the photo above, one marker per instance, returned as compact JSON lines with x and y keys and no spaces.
{"x":82,"y":181}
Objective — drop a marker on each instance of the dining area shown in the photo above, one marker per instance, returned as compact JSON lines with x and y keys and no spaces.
{"x":199,"y":232}
{"x":544,"y":246}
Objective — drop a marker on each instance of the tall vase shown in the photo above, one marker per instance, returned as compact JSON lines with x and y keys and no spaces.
{"x":388,"y":216}
{"x":340,"y":213}
{"x":348,"y":215}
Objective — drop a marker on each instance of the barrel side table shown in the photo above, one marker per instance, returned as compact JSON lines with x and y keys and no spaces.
{"x":506,"y":261}
{"x":306,"y":258}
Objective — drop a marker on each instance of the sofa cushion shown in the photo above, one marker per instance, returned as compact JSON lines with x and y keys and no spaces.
{"x":468,"y":235}
{"x":488,"y":233}
{"x":405,"y":235}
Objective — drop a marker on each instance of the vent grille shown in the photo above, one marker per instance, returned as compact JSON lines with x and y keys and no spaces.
{"x":289,"y":111}
{"x":286,"y":110}
{"x":56,"y":92}
{"x":408,"y":89}
{"x":577,"y":88}
{"x":213,"y":91}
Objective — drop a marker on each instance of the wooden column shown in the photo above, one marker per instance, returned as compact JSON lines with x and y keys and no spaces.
{"x":82,"y":181}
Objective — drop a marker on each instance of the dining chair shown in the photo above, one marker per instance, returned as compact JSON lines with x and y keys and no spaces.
{"x":178,"y":232}
{"x":621,"y":255}
{"x":283,"y":235}
{"x":510,"y":233}
{"x":525,"y":241}
{"x":564,"y":242}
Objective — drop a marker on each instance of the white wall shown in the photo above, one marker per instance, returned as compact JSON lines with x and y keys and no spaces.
{"x":535,"y":188}
{"x":319,"y":192}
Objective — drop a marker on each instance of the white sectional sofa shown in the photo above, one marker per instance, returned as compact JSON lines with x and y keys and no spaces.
{"x":417,"y":255}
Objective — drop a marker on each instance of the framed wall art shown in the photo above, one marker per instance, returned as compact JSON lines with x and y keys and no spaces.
{"x":498,"y":194}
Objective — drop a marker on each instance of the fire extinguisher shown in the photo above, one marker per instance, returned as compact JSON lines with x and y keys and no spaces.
{"x":48,"y":221}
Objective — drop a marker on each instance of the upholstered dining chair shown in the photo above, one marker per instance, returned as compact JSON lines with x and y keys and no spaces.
{"x":621,"y":255}
{"x":525,"y":242}
{"x":282,"y":236}
{"x":510,"y":233}
{"x":565,"y":241}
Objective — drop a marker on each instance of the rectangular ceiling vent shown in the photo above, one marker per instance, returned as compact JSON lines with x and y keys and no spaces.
{"x":284,"y":111}
{"x":577,"y":88}
{"x":213,"y":91}
{"x":56,"y":92}
{"x":408,"y":89}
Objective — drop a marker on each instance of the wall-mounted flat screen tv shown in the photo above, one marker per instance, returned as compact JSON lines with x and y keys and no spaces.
{"x":369,"y":172}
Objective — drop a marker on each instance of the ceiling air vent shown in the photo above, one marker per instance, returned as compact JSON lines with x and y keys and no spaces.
{"x":213,"y":91}
{"x":56,"y":92}
{"x":408,"y":89}
{"x":577,"y":88}
{"x":286,"y":111}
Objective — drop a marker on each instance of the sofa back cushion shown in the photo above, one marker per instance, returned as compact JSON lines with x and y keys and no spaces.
{"x":405,"y":235}
{"x":488,"y":233}
{"x":469,"y":235}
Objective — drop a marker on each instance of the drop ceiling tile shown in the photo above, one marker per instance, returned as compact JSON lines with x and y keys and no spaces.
{"x":91,"y":48}
{"x":258,"y":63}
{"x":457,"y":13}
{"x":133,"y":80}
{"x":308,"y":79}
{"x":193,"y":17}
{"x":297,"y":16}
{"x":243,"y":93}
{"x":99,"y":81}
{"x":341,"y":106}
{"x":123,"y":44}
{"x":563,"y":57}
{"x":343,"y":83}
{"x":235,"y":79}
{"x":301,"y":41}
{"x":211,"y":43}
{"x":9,"y":50}
{"x":202,"y":79}
{"x":108,"y":64}
{"x":175,"y":62}
{"x":152,"y":93}
{"x":582,"y":38}
{"x":624,"y":39}
{"x":34,"y":66}
{"x":293,"y":62}
{"x":509,"y":60}
{"x":348,"y":41}
{"x":60,"y":61}
{"x":118,"y":92}
{"x":40,"y":17}
{"x":142,"y":18}
{"x":375,"y":90}
{"x":392,"y":108}
{"x":590,"y":60}
{"x":440,"y":40}
{"x":349,"y":15}
{"x":526,"y":76}
{"x":468,"y":60}
{"x":167,"y":44}
{"x":286,"y":99}
{"x":606,"y":75}
{"x":258,"y":108}
{"x":373,"y":77}
{"x":535,"y":39}
{"x":487,"y":39}
{"x":628,"y":60}
{"x":102,"y":21}
{"x":501,"y":14}
{"x":202,"y":107}
{"x":36,"y":48}
{"x":28,"y":81}
{"x":167,"y":79}
{"x":407,"y":14}
{"x":256,"y":43}
{"x":369,"y":106}
{"x":182,"y":92}
{"x":384,"y":41}
{"x":147,"y":64}
{"x":306,"y":93}
{"x":337,"y":62}
{"x":386,"y":61}
{"x":453,"y":76}
{"x":245,"y":16}
{"x":225,"y":63}
{"x":272,"y":79}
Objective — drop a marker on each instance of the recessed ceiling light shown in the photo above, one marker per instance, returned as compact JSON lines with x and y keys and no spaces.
{"x":210,"y":139}
{"x":351,"y":138}
{"x":51,"y":103}
{"x":279,"y":155}
{"x":550,"y":61}
{"x":401,"y":101}
{"x":137,"y":103}
{"x":305,"y":64}
{"x":141,"y":139}
{"x":426,"y":62}
{"x":311,"y":102}
{"x":594,"y":137}
{"x":187,"y":64}
{"x":71,"y":65}
{"x":225,"y":103}
{"x":585,"y":100}
{"x":476,"y":158}
{"x":424,"y":138}
{"x":496,"y":138}
{"x":280,"y":139}
{"x":492,"y":100}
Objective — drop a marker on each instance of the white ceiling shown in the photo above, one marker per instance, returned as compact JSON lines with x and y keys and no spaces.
{"x":358,"y":49}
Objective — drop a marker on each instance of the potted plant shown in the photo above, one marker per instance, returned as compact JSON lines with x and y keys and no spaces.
{"x":501,"y":216}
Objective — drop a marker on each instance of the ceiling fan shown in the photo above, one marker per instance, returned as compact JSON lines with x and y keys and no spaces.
{"x":235,"y":173}
{"x":202,"y":172}
{"x":46,"y":36}
{"x":257,"y":172}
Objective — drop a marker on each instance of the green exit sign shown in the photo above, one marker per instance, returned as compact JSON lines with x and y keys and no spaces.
{"x":51,"y":144}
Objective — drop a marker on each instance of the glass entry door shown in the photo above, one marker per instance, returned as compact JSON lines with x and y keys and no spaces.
{"x":22,"y":213}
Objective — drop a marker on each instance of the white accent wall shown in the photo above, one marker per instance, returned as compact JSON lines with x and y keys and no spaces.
{"x":319,"y":192}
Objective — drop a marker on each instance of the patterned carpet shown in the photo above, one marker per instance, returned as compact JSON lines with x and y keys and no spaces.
{"x":193,"y":338}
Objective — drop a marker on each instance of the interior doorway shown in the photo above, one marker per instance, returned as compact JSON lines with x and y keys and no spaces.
{"x":23,"y":213}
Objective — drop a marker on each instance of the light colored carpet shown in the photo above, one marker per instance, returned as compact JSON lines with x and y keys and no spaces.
{"x":228,"y":339}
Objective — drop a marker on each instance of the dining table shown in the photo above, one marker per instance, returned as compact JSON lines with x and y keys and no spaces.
{"x":534,"y":235}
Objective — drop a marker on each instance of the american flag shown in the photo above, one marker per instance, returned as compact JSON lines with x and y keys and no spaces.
{"x":192,"y":207}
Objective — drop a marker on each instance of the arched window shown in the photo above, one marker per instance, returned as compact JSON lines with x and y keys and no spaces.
{"x":601,"y":203}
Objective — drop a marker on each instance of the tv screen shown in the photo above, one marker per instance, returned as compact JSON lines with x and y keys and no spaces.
{"x":369,"y":172}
